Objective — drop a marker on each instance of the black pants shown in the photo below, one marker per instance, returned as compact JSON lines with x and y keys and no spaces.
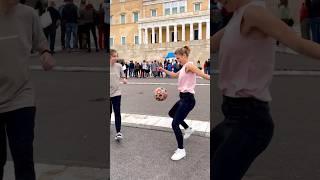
{"x":90,"y":27}
{"x":115,"y":103}
{"x":63,"y":35}
{"x":50,"y":33}
{"x":243,"y":135}
{"x":18,"y":127}
{"x":81,"y":32}
{"x":179,"y":112}
{"x":106,"y":32}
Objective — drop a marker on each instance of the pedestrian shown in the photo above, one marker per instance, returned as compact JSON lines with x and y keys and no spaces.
{"x":159,"y":72}
{"x":62,"y":26}
{"x":131,"y":69}
{"x":116,"y":76}
{"x":101,"y":26}
{"x":70,"y":15}
{"x":248,"y":126}
{"x":90,"y":17}
{"x":305,"y":21}
{"x":136,"y":70}
{"x":314,"y":15}
{"x":199,"y":65}
{"x":82,"y":29}
{"x":124,"y":69}
{"x":186,"y":85}
{"x":19,"y":23}
{"x":51,"y":30}
{"x":208,"y":67}
{"x":106,"y":8}
{"x":216,"y":18}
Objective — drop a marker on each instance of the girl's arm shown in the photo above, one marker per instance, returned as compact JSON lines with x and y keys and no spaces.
{"x":171,"y":74}
{"x":194,"y":69}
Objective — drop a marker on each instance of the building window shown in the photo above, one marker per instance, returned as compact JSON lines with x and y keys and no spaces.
{"x":196,"y":34}
{"x":111,"y":42}
{"x":153,"y":12}
{"x":174,"y":10}
{"x":123,"y":19}
{"x":123,"y":40}
{"x":182,"y":9}
{"x":135,"y":17}
{"x":197,"y":7}
{"x":167,"y":11}
{"x":136,"y":39}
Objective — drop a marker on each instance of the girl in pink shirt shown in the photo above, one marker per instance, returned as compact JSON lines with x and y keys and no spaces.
{"x":246,"y":56}
{"x":186,"y":84}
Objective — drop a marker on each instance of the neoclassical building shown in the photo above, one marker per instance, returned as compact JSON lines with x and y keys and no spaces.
{"x":149,"y":29}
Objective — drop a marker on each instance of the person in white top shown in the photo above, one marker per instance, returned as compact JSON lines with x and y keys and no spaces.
{"x":116,"y":77}
{"x":20,"y":31}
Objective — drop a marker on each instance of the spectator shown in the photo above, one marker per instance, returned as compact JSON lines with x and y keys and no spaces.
{"x":101,"y":26}
{"x":314,"y":14}
{"x":90,"y":16}
{"x":70,"y":15}
{"x":62,"y":27}
{"x":50,"y":31}
{"x":305,"y":21}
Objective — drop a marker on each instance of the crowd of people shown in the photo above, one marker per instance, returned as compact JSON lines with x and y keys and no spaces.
{"x":77,"y":24}
{"x":147,"y":69}
{"x":310,"y":20}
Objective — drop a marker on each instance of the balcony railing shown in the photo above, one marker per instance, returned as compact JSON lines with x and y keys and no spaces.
{"x":175,"y":16}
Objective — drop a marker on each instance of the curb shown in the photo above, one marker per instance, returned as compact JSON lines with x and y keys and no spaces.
{"x":158,"y":128}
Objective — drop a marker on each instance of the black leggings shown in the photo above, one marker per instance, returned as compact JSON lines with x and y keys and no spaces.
{"x":18,"y":127}
{"x":179,"y":112}
{"x":115,"y":103}
{"x":243,"y":135}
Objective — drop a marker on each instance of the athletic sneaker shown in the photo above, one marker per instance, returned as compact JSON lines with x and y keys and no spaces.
{"x":188,"y":132}
{"x":178,"y":154}
{"x":118,"y":136}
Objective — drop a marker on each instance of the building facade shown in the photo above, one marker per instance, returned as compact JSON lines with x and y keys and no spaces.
{"x":149,"y":29}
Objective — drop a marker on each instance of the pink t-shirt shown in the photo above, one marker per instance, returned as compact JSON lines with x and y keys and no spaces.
{"x":186,"y":81}
{"x":246,"y":63}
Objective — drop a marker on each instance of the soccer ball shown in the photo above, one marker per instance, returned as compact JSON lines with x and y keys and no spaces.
{"x":160,"y":94}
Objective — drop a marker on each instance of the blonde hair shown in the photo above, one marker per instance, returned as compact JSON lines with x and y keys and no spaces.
{"x":185,"y":50}
{"x":112,"y":51}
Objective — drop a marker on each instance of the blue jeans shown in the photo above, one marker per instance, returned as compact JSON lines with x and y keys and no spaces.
{"x":315,"y":29}
{"x":243,"y":135}
{"x":115,"y":103}
{"x":18,"y":128}
{"x":72,"y":30}
{"x":179,"y":112}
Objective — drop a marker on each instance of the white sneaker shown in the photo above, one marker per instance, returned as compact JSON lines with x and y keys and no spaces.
{"x":188,"y":132}
{"x":178,"y":154}
{"x":118,"y":136}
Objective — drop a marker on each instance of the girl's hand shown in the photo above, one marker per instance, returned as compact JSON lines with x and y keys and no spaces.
{"x":161,"y":69}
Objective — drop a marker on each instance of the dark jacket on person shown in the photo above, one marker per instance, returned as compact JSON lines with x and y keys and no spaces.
{"x":55,"y":16}
{"x":70,"y":13}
